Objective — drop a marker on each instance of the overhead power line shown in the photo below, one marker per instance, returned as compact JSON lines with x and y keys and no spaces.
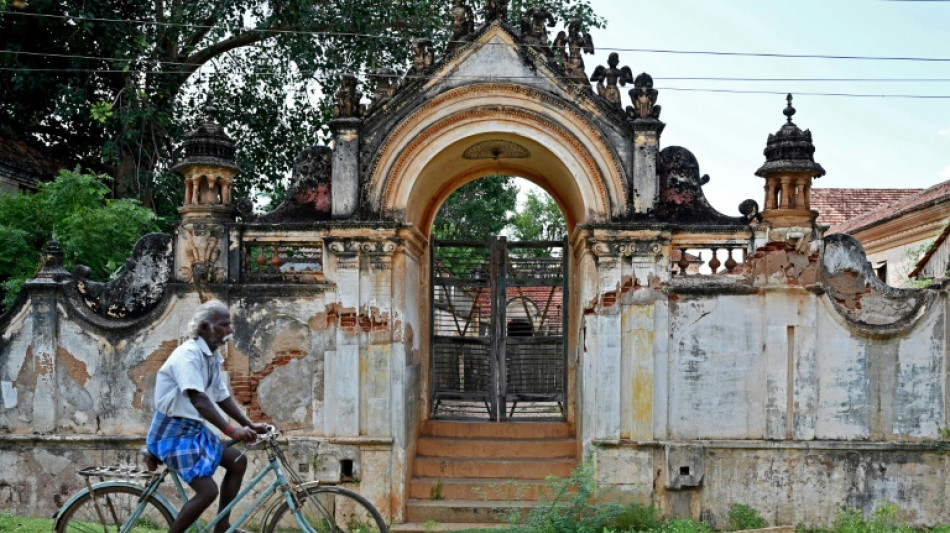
{"x":609,"y":49}
{"x":330,"y":74}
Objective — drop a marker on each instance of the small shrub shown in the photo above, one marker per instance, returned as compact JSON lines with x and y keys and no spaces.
{"x":636,"y":517}
{"x":742,"y":516}
{"x":684,"y":525}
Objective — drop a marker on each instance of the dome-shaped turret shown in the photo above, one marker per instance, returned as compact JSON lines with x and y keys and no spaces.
{"x":790,"y":149}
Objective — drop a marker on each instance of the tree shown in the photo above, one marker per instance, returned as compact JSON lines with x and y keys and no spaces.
{"x":477,"y":210}
{"x":73,"y":209}
{"x":111,"y":85}
{"x":539,"y":220}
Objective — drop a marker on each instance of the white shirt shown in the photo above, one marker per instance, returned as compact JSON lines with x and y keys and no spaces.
{"x":192,"y":366}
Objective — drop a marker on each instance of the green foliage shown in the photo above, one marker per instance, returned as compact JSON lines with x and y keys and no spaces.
{"x":742,"y":516}
{"x":882,"y":520}
{"x":476,"y":210}
{"x":539,"y":220}
{"x":115,"y":92}
{"x":570,"y":505}
{"x":93,"y":230}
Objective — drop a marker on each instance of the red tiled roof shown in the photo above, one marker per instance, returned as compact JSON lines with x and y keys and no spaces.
{"x":25,"y":162}
{"x":934,"y":195}
{"x":836,"y":206}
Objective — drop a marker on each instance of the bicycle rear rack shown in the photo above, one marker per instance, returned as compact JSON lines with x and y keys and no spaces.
{"x":118,"y":471}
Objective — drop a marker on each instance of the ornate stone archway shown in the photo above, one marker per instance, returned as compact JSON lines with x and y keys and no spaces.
{"x":422,"y":159}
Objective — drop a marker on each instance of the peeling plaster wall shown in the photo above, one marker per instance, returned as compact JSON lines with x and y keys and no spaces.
{"x":328,"y":365}
{"x":716,"y":369}
{"x":786,"y":405}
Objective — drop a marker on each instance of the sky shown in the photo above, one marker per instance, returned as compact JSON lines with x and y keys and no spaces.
{"x":872,"y":142}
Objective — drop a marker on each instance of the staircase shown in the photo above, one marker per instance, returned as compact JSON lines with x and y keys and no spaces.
{"x":470,"y":475}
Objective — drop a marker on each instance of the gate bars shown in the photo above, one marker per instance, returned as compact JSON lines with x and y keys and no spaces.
{"x":497,"y":321}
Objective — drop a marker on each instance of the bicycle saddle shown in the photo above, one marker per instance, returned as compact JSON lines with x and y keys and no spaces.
{"x":151,"y":462}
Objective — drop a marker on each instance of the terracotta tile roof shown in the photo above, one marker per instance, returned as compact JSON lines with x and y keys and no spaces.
{"x":937,"y":194}
{"x":24,"y":162}
{"x":838,"y":205}
{"x":930,"y":252}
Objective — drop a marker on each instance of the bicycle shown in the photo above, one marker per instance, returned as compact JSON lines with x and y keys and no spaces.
{"x":128,"y":507}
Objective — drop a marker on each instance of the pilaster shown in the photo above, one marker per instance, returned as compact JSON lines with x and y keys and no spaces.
{"x":345,"y":177}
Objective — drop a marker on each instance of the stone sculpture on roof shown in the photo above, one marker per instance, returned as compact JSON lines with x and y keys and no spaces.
{"x":423,"y":55}
{"x":496,"y":10}
{"x":644,"y":99}
{"x":535,"y":24}
{"x":463,"y":23}
{"x":385,"y":83}
{"x":348,"y":98}
{"x":571,"y":46}
{"x":608,"y":77}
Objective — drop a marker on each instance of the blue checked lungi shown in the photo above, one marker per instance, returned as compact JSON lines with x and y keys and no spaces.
{"x":187,"y":446}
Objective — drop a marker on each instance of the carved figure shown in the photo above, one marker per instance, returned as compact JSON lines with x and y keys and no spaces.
{"x":463,"y":22}
{"x":423,"y":55}
{"x":348,"y":98}
{"x":644,"y":96}
{"x":535,"y":24}
{"x":571,"y":46}
{"x":385,"y":81}
{"x":310,"y":194}
{"x":202,"y":251}
{"x":750,"y":210}
{"x":608,"y":77}
{"x":496,"y":10}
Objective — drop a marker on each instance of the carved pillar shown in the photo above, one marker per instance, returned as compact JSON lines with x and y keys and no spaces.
{"x":45,"y":340}
{"x":646,"y":186}
{"x":601,"y":368}
{"x":646,"y":126}
{"x":342,"y":365}
{"x":209,"y":170}
{"x":345,"y":181}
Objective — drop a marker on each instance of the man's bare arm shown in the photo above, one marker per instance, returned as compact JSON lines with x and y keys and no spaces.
{"x":206,"y":409}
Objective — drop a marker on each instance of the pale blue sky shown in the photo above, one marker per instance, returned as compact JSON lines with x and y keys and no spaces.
{"x":861,"y":142}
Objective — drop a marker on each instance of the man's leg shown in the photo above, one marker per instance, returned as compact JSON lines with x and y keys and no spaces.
{"x":235,"y":464}
{"x":205,"y":493}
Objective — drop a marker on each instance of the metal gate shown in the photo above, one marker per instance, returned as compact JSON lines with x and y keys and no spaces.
{"x":498,"y":320}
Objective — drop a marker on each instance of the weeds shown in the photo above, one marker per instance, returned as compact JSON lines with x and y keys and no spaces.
{"x":742,"y":516}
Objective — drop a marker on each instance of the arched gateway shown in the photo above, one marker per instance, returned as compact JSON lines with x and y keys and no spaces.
{"x":707,"y":359}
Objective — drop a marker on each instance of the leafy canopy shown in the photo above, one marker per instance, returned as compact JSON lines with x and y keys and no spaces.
{"x":112,"y":85}
{"x":73,"y":209}
{"x":489,"y":206}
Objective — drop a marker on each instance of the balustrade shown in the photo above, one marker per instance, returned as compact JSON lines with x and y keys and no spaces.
{"x":281,"y":262}
{"x":710,"y":259}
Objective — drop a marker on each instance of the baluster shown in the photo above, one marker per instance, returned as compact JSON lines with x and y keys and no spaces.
{"x":261,"y":260}
{"x":682,"y":263}
{"x":275,"y":259}
{"x":714,"y":262}
{"x":730,"y":262}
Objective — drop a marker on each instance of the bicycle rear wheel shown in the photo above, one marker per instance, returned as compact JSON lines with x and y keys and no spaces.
{"x":115,"y":505}
{"x":330,"y":510}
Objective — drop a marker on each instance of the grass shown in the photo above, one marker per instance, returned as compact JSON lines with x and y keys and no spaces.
{"x":19,"y":524}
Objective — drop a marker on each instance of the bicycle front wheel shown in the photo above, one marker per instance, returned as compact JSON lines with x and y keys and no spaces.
{"x":111,"y":508}
{"x":330,"y":510}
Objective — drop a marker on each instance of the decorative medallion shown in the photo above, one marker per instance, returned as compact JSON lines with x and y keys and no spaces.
{"x":496,"y":149}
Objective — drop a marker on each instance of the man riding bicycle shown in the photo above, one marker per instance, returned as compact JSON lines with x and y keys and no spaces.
{"x":187,"y":388}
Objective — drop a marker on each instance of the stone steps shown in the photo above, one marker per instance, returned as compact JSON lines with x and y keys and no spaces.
{"x":470,"y":475}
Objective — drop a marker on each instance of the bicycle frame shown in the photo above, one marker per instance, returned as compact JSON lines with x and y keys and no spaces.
{"x":280,"y":482}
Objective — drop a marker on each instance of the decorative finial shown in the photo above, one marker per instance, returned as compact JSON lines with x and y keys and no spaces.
{"x":789,"y":111}
{"x":209,"y":107}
